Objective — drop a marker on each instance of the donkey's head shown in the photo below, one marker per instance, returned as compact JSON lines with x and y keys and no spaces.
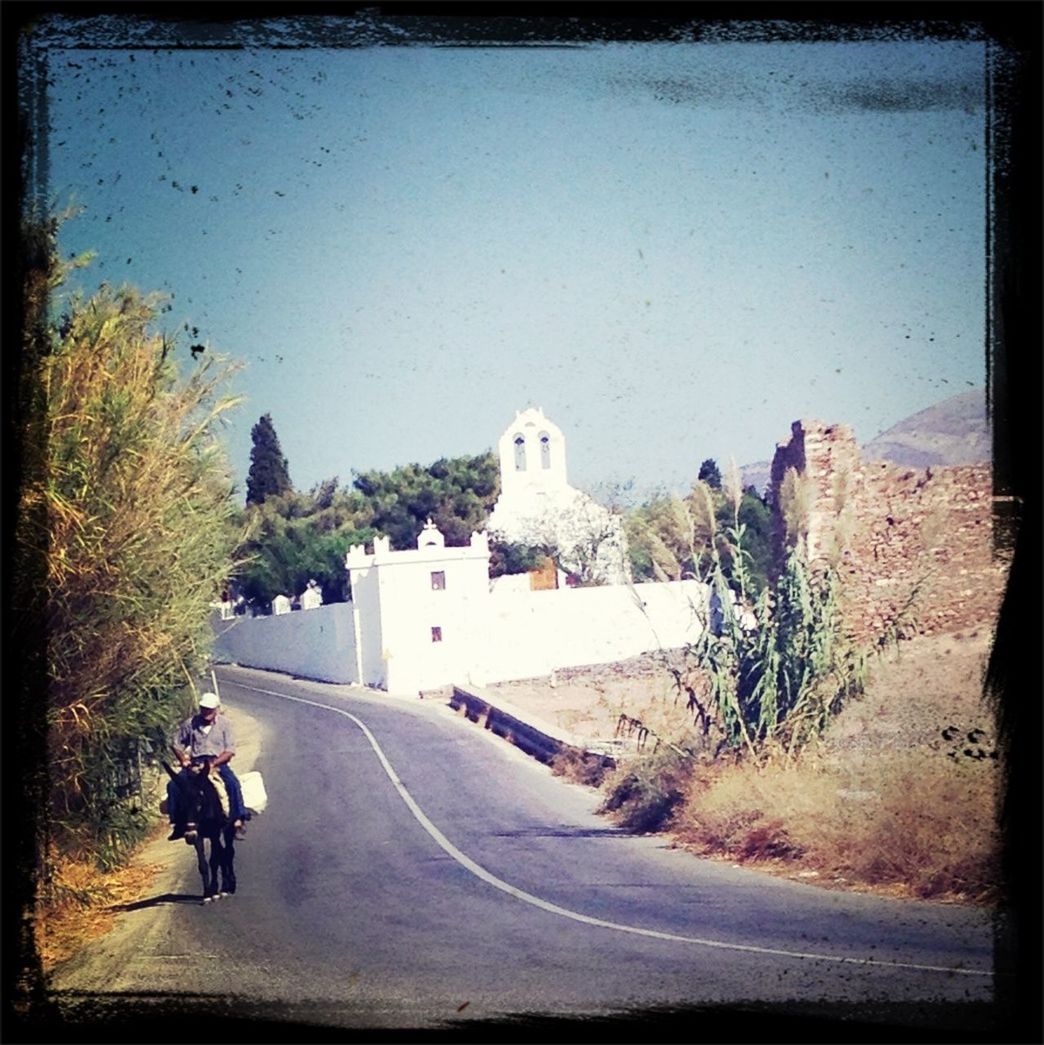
{"x":202,"y":805}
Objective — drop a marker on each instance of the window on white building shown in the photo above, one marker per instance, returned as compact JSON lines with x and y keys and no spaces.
{"x":520,"y":453}
{"x":545,"y":450}
{"x":438,"y":580}
{"x":436,"y":634}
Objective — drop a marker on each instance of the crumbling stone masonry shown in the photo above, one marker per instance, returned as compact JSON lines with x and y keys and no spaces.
{"x":901,"y":533}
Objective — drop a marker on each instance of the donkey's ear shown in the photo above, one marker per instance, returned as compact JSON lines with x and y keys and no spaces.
{"x":179,"y":781}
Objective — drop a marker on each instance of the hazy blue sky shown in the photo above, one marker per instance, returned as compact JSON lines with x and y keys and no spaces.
{"x":675,"y":249}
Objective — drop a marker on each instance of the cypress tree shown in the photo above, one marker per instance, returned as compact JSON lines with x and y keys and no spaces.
{"x":269,"y":475}
{"x":710,"y":474}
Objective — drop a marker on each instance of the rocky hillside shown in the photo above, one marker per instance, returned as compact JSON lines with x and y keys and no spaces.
{"x":953,"y":432}
{"x":949,"y":433}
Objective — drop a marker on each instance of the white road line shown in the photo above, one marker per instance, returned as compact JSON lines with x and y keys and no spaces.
{"x":498,"y":883}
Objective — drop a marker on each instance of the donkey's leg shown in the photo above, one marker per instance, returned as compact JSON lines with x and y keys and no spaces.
{"x":228,"y":868}
{"x":204,"y":868}
{"x":216,"y":860}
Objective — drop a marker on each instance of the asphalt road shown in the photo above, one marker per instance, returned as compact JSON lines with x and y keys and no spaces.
{"x":412,"y":871}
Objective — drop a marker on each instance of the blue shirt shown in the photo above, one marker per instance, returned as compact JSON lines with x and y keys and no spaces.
{"x":192,"y":738}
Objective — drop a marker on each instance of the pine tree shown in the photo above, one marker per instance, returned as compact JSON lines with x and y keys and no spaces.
{"x":269,"y":475}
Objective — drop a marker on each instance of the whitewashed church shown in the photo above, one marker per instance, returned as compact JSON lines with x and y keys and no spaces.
{"x":429,"y":616}
{"x":537,"y":506}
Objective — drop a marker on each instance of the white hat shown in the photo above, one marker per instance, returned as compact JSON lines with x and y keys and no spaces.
{"x":210,"y":700}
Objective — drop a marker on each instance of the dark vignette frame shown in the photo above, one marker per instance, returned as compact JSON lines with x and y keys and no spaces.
{"x":1014,"y":387}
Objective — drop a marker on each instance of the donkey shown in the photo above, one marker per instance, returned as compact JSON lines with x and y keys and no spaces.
{"x":207,"y":821}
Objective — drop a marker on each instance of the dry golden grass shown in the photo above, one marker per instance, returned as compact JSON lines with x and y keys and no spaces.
{"x":83,"y":905}
{"x":887,"y":802}
{"x":913,"y":823}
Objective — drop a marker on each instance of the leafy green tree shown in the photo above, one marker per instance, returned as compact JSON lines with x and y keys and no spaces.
{"x":660,"y":539}
{"x":671,"y":538}
{"x":510,"y":557}
{"x":710,"y":474}
{"x":126,"y":502}
{"x":457,"y":494}
{"x":269,"y":472}
{"x":323,"y":494}
{"x":755,"y":516}
{"x":745,"y":524}
{"x":294,"y":538}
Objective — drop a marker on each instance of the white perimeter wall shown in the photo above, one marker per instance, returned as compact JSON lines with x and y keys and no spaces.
{"x":531,"y":633}
{"x":515,"y":634}
{"x":316,"y":644}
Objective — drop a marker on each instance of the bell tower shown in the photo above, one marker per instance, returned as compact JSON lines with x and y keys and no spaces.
{"x":532,"y":456}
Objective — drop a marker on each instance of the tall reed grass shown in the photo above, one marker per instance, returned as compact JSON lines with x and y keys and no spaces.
{"x":125,"y":505}
{"x":777,"y":670}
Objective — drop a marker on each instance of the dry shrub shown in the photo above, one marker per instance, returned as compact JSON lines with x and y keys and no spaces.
{"x":742,"y":810}
{"x":81,"y":905}
{"x":644,"y":792}
{"x":580,"y":767}
{"x":649,"y":784}
{"x":916,"y":822}
{"x":932,"y":829}
{"x":664,"y":717}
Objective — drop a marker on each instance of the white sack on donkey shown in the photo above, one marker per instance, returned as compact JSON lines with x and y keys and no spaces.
{"x":255,"y":798}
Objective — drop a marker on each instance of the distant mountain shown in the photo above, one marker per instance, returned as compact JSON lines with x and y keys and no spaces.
{"x":951,"y":432}
{"x":756,"y":475}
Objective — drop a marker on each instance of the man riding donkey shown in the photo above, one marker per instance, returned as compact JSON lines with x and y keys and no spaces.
{"x":206,"y":737}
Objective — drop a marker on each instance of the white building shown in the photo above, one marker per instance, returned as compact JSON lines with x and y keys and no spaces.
{"x":537,"y":506}
{"x":428,"y":616}
{"x":417,"y":612}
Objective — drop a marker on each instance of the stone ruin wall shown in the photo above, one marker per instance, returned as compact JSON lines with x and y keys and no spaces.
{"x":933,"y":526}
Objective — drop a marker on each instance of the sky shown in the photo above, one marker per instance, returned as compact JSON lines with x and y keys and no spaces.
{"x":674,"y":249}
